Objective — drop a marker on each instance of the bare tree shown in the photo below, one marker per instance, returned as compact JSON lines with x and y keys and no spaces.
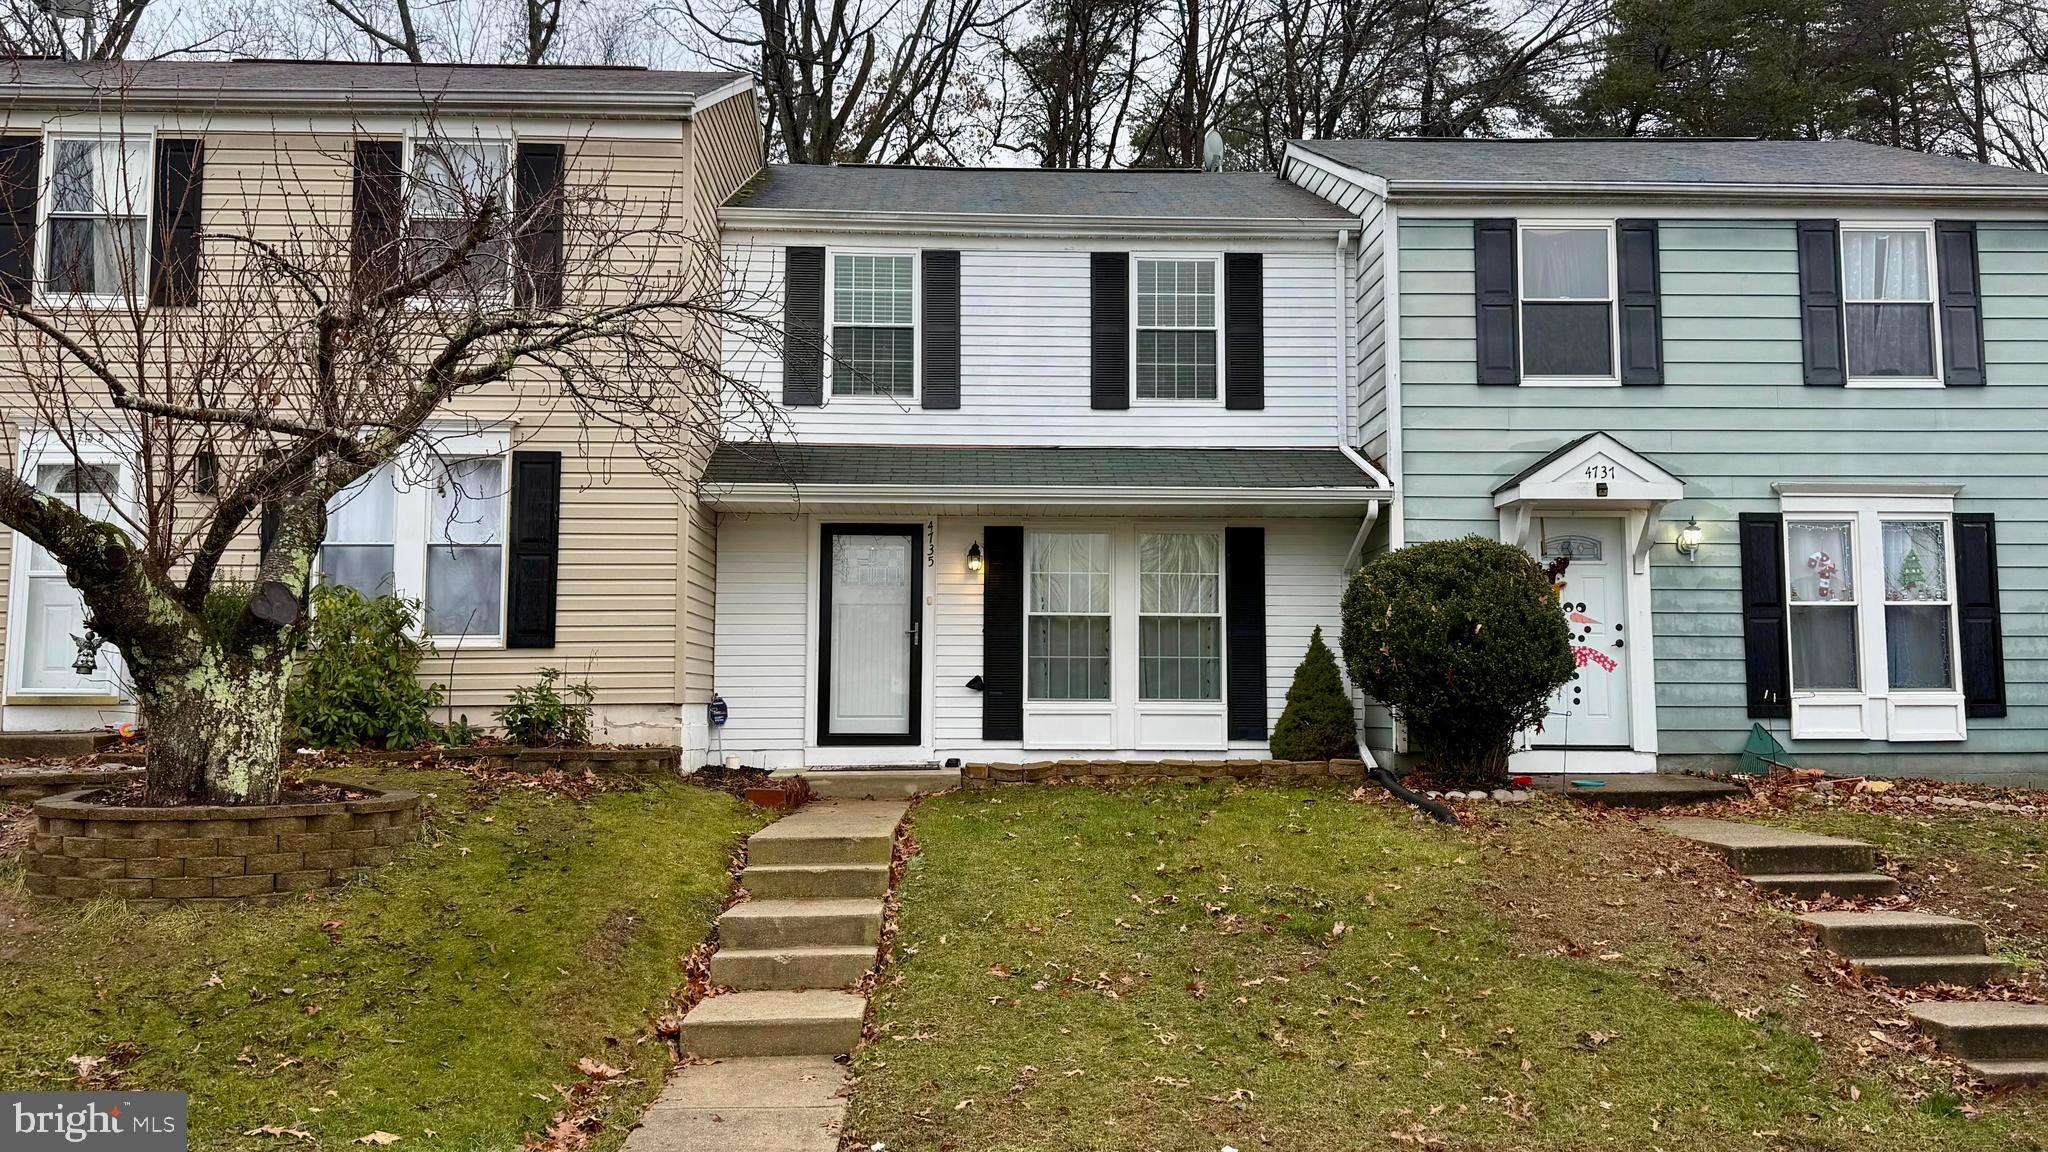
{"x":1204,"y":41}
{"x":320,"y":344}
{"x":1076,"y":67}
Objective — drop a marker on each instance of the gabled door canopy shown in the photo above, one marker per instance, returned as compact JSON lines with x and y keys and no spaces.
{"x":1589,"y":474}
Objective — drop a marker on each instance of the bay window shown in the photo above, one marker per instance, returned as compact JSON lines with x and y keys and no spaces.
{"x":874,"y":325}
{"x":1180,"y":616}
{"x":1067,"y":616}
{"x":1176,"y":329}
{"x":1917,"y":609}
{"x":1888,"y":304}
{"x":1566,"y":278}
{"x":96,"y":231}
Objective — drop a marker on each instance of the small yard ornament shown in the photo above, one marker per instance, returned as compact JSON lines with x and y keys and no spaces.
{"x":88,"y":651}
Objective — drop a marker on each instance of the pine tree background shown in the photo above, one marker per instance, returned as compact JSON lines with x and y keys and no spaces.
{"x":1317,"y":723}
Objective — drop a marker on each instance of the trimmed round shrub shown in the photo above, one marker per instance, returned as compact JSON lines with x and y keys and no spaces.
{"x":1463,"y":641}
{"x":1318,"y":723}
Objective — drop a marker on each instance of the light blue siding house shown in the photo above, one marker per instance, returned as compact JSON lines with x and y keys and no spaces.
{"x":1782,"y":405}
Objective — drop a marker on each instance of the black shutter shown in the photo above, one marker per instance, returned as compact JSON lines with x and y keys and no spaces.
{"x":1820,"y":302}
{"x":1244,"y":331}
{"x":1977,"y":605}
{"x":534,"y":556}
{"x":1002,"y":633}
{"x":1493,"y":267}
{"x":21,"y":174}
{"x":803,"y":327}
{"x":941,"y":330}
{"x":379,"y":216}
{"x":1109,"y":326}
{"x":1244,"y":627}
{"x":269,"y":515}
{"x":174,"y":234}
{"x":1962,"y":307}
{"x":1642,"y":307}
{"x":1765,"y":656}
{"x":538,"y":282}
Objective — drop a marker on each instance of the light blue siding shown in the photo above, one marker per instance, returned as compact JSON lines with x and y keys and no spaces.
{"x":1733,"y":418}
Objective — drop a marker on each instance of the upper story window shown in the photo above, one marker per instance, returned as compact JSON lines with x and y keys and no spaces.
{"x":96,"y":244}
{"x":1567,"y":303}
{"x":1888,"y":301}
{"x":874,"y":325}
{"x":1176,"y":329}
{"x":450,"y":182}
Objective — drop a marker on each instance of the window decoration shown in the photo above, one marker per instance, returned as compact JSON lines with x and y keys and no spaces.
{"x":1567,"y":299}
{"x":873,"y":326}
{"x":1888,"y":294}
{"x":1176,"y":330}
{"x":1067,"y":614}
{"x":1180,"y":616}
{"x":98,"y":217}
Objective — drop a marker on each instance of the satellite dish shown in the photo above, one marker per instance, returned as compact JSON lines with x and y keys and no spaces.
{"x":1212,"y":151}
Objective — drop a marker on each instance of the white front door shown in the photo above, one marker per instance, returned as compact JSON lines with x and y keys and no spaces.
{"x":1592,"y":709}
{"x":50,"y":610}
{"x":870,"y":618}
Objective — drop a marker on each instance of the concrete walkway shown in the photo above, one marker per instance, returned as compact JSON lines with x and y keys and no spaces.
{"x":791,"y":955}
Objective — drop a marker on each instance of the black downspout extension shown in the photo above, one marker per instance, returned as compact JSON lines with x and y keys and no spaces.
{"x":1438,"y":812}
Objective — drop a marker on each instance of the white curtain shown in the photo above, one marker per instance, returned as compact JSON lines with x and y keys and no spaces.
{"x":1564,"y":264}
{"x":1885,"y":265}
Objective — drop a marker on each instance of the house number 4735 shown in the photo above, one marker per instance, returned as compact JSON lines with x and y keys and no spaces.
{"x":1600,"y":471}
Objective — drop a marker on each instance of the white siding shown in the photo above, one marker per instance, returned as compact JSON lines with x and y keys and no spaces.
{"x":1304,"y":589}
{"x":761,"y":624}
{"x":1025,"y":348}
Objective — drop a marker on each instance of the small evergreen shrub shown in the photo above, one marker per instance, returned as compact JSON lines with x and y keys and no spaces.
{"x":539,"y":713}
{"x":1463,"y":641}
{"x":355,"y":682}
{"x":1318,"y":723}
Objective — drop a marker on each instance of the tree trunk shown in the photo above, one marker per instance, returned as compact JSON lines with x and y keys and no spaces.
{"x":215,"y":725}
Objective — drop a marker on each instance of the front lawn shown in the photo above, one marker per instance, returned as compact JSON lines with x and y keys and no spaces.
{"x":1188,"y":968}
{"x":443,"y":1001}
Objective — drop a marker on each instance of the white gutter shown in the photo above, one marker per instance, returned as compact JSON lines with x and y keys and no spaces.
{"x":740,"y":217}
{"x":536,"y":103}
{"x":1705,"y":192}
{"x":1390,"y":305}
{"x":1372,"y":515}
{"x":785,"y":495}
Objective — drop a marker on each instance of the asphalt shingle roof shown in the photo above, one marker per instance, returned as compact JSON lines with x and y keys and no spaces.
{"x":964,"y":467}
{"x":1764,"y":162}
{"x":341,"y":80}
{"x":1175,"y":195}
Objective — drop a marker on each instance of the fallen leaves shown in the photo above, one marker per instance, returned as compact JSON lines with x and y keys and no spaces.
{"x":378,"y":1138}
{"x":281,"y":1130}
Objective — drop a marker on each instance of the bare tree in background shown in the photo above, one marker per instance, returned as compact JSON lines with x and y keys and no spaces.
{"x":314,"y":346}
{"x":1076,"y":66}
{"x":1203,"y":44}
{"x":42,"y":28}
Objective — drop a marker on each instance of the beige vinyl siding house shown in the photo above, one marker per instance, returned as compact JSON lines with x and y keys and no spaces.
{"x":632,"y":606}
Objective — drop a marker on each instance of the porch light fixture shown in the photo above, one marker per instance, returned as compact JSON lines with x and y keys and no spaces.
{"x":1688,"y":543}
{"x":974,"y":556}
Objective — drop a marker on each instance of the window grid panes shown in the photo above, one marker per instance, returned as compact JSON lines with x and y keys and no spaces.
{"x":1821,"y":585}
{"x":873,"y":326}
{"x":99,"y":201}
{"x":1918,"y":611}
{"x":1567,"y":295}
{"x":1067,"y":616}
{"x":465,"y":548}
{"x":451,"y":181}
{"x":1888,"y":293}
{"x":1176,"y":330}
{"x":1180,"y":616}
{"x":360,"y":548}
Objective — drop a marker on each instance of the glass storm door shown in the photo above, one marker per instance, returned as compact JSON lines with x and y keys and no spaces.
{"x":869,"y":620}
{"x":1591,"y":710}
{"x":53,"y":613}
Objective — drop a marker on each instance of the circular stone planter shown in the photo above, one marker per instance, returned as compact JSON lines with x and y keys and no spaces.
{"x":212,"y":855}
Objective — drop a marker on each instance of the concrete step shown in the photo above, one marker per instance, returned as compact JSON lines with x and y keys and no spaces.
{"x":1867,"y":935}
{"x":774,"y":1024}
{"x":830,"y":832}
{"x":1977,"y":1030}
{"x":2009,"y":1073}
{"x":1967,"y":971}
{"x":1843,"y":885}
{"x":844,"y":784}
{"x":52,"y":745}
{"x":815,"y":881}
{"x":768,"y":969}
{"x":801,"y":924}
{"x":1755,"y":850}
{"x":1639,"y":789}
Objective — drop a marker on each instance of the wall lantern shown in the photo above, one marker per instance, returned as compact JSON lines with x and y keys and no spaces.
{"x":1689,"y":539}
{"x":974,"y":556}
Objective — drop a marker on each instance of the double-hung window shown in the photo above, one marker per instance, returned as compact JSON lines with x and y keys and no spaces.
{"x":361,"y":546}
{"x":1888,"y":305}
{"x":1566,"y":279}
{"x":1822,"y":556}
{"x":1067,"y":616}
{"x":96,"y":244}
{"x":465,"y":564}
{"x":874,"y":325}
{"x":1180,"y":616}
{"x":450,"y":184}
{"x":1176,"y":329}
{"x":430,"y":530}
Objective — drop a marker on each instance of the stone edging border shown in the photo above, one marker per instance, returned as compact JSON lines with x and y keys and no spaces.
{"x":653,"y":758}
{"x":28,"y":787}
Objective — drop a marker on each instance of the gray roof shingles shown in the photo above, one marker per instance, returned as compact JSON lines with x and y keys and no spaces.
{"x":1178,"y":195}
{"x":339,"y":80}
{"x":1846,"y":163}
{"x":964,"y":467}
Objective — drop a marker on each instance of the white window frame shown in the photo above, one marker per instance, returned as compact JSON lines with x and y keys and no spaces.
{"x":411,"y":513}
{"x":916,"y":396}
{"x":1613,"y":301}
{"x":46,"y":202}
{"x":1877,"y":711}
{"x":463,"y":133}
{"x":1109,"y":614}
{"x":1222,"y":626}
{"x":39,"y":447}
{"x":1215,"y":260}
{"x":1933,"y":302}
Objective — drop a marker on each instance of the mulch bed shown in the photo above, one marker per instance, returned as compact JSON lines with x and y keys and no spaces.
{"x":292,"y":792}
{"x":734,"y":781}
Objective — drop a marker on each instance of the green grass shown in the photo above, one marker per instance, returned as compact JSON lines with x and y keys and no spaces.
{"x":460,"y":984}
{"x":1174,"y":982}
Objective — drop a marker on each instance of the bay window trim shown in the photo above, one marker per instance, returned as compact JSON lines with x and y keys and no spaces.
{"x":46,"y":202}
{"x":1215,"y":326}
{"x":1613,"y":301}
{"x":1932,"y":269}
{"x":831,"y":395}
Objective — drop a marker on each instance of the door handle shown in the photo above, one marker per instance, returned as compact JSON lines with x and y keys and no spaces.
{"x":1620,"y":643}
{"x":916,"y":626}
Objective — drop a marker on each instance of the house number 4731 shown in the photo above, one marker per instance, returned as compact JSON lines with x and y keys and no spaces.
{"x":1600,"y":471}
